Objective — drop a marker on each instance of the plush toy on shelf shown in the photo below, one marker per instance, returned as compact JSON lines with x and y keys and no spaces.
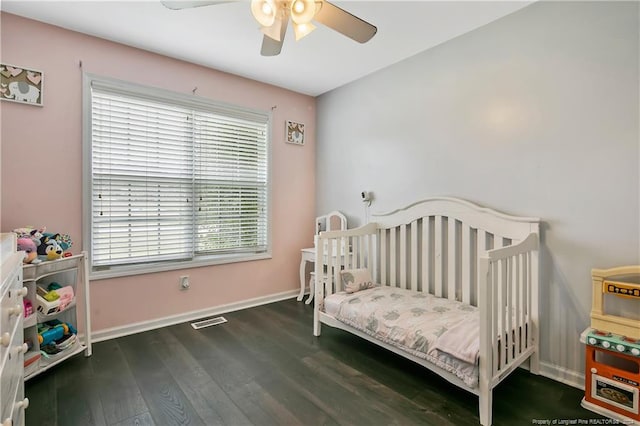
{"x":49,"y":249}
{"x":54,"y":246}
{"x":28,"y":241}
{"x":48,"y":246}
{"x":30,"y":232}
{"x":30,"y":249}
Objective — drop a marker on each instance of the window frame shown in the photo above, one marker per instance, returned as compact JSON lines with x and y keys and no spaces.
{"x":158,"y":94}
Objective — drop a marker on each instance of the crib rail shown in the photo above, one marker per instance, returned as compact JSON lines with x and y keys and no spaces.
{"x":349,"y":249}
{"x":508,"y":301}
{"x":338,"y":250}
{"x":440,"y":254}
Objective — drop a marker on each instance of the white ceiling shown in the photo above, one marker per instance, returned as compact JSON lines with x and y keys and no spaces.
{"x":226,"y":37}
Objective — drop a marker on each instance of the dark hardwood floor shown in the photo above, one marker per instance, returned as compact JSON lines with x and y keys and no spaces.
{"x":264,"y":367}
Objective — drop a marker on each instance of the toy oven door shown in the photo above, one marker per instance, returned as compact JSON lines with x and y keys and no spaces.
{"x":614,"y":393}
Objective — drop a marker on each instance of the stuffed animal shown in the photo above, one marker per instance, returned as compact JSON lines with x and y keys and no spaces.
{"x":49,"y":248}
{"x":30,"y":248}
{"x":64,"y":240}
{"x":30,"y":232}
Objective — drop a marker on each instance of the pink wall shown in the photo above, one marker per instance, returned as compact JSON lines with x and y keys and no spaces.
{"x":41,"y":172}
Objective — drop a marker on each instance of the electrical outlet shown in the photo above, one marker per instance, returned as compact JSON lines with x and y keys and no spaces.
{"x":184,"y":282}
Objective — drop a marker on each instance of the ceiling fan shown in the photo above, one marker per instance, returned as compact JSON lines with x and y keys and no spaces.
{"x":273,"y":17}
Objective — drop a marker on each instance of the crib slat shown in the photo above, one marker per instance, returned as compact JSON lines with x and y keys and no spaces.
{"x":509,"y":310}
{"x":426,"y":254}
{"x":371,"y":260}
{"x":499,"y":311}
{"x":497,"y":348}
{"x":481,"y":250}
{"x":328,"y":261}
{"x":521,"y":288}
{"x":451,"y":260}
{"x":383,"y":256}
{"x":335,"y":266}
{"x":403,"y":256}
{"x":534,"y":312}
{"x":503,"y":310}
{"x":414,"y":256}
{"x":504,"y":277}
{"x":437,"y":264}
{"x":362,"y":250}
{"x":502,"y":328}
{"x":528,"y":302}
{"x":466,"y":264}
{"x":335,"y":269}
{"x":350,"y":255}
{"x":482,"y":242}
{"x":525,"y":298}
{"x":393,"y":256}
{"x":516,"y":303}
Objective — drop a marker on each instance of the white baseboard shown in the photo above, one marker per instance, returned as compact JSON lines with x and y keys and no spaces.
{"x":112,"y":333}
{"x":562,"y":375}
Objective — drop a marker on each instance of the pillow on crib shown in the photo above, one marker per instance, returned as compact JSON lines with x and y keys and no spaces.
{"x":356,"y":279}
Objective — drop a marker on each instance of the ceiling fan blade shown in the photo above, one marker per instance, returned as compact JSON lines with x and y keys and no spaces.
{"x":271,"y":47}
{"x":345,"y":23}
{"x":188,"y":4}
{"x":274,"y":37}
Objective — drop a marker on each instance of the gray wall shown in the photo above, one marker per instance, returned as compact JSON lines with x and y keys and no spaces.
{"x":535,"y":114}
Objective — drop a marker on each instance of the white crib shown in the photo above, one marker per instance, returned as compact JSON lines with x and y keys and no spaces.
{"x":453,"y":249}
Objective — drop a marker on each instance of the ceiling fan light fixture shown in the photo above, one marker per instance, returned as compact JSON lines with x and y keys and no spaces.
{"x":302,"y":30}
{"x":273,"y":17}
{"x":302,"y":11}
{"x":264,"y":11}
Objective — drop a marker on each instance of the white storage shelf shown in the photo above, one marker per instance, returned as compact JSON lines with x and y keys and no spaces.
{"x":67,"y":271}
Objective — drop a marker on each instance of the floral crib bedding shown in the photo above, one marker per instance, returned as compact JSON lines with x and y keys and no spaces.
{"x":439,"y":330}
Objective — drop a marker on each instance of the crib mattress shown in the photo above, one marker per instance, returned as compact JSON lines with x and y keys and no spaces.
{"x":441,"y":331}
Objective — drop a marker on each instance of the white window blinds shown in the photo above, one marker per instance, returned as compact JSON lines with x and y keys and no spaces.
{"x":174,"y":179}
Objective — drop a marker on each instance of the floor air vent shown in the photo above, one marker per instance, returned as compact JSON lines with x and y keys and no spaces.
{"x":208,"y":322}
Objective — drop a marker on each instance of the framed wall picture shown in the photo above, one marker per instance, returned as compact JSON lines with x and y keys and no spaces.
{"x":20,"y":84}
{"x":295,"y":133}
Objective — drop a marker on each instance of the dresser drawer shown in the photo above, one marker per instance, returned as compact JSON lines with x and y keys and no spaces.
{"x":11,"y":309}
{"x":11,"y":377}
{"x":12,"y":346}
{"x":16,"y":417}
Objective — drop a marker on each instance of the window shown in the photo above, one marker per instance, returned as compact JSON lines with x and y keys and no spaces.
{"x":171,"y":180}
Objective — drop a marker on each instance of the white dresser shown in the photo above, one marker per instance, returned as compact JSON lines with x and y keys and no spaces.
{"x":12,"y":346}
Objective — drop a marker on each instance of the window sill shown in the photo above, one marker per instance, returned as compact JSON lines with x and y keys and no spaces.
{"x":126,"y":271}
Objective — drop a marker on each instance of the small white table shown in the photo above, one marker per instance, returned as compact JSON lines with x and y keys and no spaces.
{"x":308,"y":255}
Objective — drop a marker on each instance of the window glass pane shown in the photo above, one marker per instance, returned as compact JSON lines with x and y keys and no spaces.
{"x":172,"y":181}
{"x":231,"y":184}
